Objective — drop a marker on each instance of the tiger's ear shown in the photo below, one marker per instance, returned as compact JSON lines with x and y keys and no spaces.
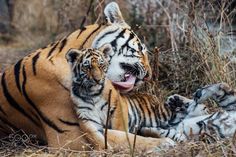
{"x":107,"y":50}
{"x":113,"y":14}
{"x":72,"y":55}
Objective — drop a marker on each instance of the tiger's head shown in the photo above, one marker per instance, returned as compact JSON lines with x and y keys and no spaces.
{"x":88,"y":68}
{"x":128,"y":61}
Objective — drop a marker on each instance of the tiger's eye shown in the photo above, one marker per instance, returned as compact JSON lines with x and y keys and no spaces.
{"x":101,"y":61}
{"x":86,"y":64}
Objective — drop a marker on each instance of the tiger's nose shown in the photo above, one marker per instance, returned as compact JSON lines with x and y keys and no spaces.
{"x":97,"y":79}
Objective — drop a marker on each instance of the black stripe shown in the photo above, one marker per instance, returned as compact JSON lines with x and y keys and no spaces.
{"x":168,"y":133}
{"x":201,"y":124}
{"x":35,"y":115}
{"x":105,"y":104}
{"x":62,"y":86}
{"x":125,"y":44}
{"x":81,"y":30}
{"x":41,"y":115}
{"x":34,"y":61}
{"x":161,"y":133}
{"x":9,"y":124}
{"x":129,"y":116}
{"x":157,"y":119}
{"x":157,"y":114}
{"x":13,"y":103}
{"x":68,"y":122}
{"x":94,"y":121}
{"x":134,"y":114}
{"x":52,"y":44}
{"x":3,"y":130}
{"x":104,"y":35}
{"x":135,"y":111}
{"x":162,"y":109}
{"x":63,"y":43}
{"x":149,"y":113}
{"x":141,"y":103}
{"x":83,"y":107}
{"x":17,"y":74}
{"x":154,"y":113}
{"x":229,"y":104}
{"x":1,"y":109}
{"x":99,"y":26}
{"x":114,"y":42}
{"x":44,"y":47}
{"x":218,"y":130}
{"x":173,"y":137}
{"x":221,"y":98}
{"x":89,"y":55}
{"x":169,"y":112}
{"x":138,"y":110}
{"x":52,"y":49}
{"x":101,"y":131}
{"x":87,"y":13}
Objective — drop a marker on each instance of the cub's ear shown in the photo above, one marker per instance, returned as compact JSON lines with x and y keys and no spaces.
{"x":72,"y":55}
{"x":107,"y":50}
{"x":113,"y":14}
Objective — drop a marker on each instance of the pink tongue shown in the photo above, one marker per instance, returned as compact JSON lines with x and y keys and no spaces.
{"x":127,"y":85}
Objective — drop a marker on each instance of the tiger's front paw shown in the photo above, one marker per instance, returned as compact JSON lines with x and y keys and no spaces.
{"x":178,"y":103}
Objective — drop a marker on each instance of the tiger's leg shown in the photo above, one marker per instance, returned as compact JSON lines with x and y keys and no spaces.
{"x":159,"y":132}
{"x":221,"y":123}
{"x":118,"y":138}
{"x":94,"y":133}
{"x":222,"y":93}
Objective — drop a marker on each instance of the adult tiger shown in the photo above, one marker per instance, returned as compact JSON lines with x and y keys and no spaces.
{"x":93,"y":94}
{"x":34,"y":93}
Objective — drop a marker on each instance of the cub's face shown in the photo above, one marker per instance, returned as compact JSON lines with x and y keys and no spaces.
{"x":88,"y":68}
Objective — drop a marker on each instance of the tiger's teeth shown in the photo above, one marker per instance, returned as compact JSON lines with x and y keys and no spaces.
{"x":127,"y":76}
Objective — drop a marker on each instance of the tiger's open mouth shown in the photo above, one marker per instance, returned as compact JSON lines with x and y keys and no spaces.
{"x":127,"y":84}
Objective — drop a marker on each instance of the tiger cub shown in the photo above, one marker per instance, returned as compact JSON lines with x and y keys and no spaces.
{"x":92,"y":94}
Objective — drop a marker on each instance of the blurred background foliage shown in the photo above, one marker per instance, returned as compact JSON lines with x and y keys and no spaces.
{"x":192,"y":41}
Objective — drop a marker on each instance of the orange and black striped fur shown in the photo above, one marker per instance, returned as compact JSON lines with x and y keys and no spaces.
{"x":35,"y":95}
{"x":92,"y":94}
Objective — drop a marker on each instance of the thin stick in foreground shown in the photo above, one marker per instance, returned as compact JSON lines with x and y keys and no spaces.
{"x":135,"y":136}
{"x":108,"y":111}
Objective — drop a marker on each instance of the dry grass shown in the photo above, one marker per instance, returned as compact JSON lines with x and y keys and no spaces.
{"x":188,"y":55}
{"x":22,"y":145}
